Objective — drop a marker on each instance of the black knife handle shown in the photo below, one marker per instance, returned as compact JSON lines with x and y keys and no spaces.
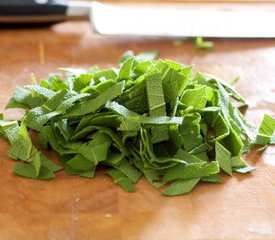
{"x":32,"y":7}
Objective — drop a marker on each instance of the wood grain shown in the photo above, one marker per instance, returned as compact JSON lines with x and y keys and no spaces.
{"x":70,"y":207}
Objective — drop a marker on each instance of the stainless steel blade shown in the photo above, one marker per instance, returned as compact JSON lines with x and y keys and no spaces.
{"x":184,"y":20}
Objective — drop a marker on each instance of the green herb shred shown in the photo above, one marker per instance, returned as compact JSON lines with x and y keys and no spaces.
{"x":202,"y":44}
{"x":151,"y":118}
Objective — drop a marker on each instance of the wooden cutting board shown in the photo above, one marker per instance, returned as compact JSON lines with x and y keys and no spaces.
{"x":70,"y":207}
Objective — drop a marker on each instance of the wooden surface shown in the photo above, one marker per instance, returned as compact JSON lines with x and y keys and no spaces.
{"x":70,"y":207}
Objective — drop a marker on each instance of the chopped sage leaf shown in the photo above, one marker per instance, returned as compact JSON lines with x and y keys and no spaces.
{"x":146,"y":117}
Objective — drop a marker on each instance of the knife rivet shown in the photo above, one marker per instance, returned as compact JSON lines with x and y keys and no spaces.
{"x":41,"y":1}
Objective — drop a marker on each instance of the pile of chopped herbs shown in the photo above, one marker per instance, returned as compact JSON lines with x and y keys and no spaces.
{"x":148,"y":117}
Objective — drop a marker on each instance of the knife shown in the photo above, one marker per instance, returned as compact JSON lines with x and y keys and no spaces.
{"x":150,"y":19}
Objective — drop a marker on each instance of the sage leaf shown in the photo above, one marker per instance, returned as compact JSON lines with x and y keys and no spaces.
{"x":144,"y":117}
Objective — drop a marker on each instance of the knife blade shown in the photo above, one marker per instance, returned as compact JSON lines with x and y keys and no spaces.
{"x":151,"y":19}
{"x":185,"y":20}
